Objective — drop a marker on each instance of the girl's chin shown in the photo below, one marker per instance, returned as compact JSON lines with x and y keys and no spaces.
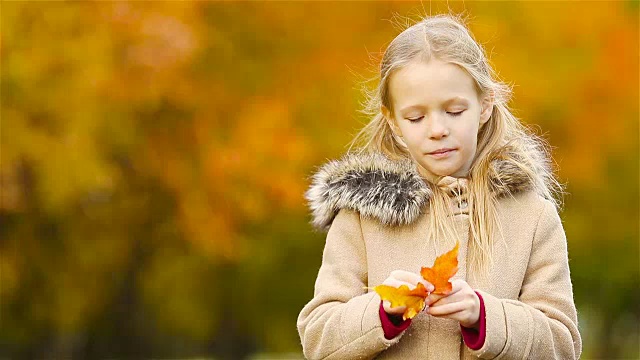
{"x":432,"y":173}
{"x":440,"y":170}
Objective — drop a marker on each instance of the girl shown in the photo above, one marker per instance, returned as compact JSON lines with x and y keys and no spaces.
{"x":443,"y":160}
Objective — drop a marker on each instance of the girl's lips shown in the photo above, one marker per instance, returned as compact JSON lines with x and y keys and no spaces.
{"x":440,"y":155}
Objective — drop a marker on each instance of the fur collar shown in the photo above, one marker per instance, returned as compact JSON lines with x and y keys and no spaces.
{"x":390,"y":191}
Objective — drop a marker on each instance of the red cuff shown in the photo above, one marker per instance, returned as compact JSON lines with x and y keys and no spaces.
{"x":472,"y":337}
{"x":390,"y":327}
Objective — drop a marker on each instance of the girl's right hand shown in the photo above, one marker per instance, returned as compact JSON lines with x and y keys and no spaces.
{"x":398,"y":278}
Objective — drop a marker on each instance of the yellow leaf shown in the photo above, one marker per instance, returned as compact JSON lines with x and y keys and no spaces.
{"x":402,"y":296}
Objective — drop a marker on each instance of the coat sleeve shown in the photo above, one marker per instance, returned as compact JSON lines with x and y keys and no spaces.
{"x":342,"y":319}
{"x":543,"y":323}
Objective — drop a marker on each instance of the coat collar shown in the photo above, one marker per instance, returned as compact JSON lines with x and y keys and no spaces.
{"x":391,"y":191}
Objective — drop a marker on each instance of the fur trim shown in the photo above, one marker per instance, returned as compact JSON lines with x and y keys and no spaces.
{"x":372,"y":184}
{"x":391,"y":191}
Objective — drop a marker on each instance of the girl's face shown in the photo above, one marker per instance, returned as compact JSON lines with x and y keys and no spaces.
{"x":437,"y":112}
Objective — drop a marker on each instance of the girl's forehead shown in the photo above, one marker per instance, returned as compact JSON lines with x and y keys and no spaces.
{"x":434,"y":82}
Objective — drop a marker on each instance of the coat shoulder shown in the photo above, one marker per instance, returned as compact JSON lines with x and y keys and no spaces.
{"x":528,"y":200}
{"x":373,"y":185}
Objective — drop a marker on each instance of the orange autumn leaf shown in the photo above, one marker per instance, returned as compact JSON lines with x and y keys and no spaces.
{"x":445,"y":266}
{"x":402,"y":296}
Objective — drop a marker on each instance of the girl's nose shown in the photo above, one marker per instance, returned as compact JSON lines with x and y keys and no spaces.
{"x":437,"y":129}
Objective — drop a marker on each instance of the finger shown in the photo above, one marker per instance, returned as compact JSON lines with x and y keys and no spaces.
{"x":407,"y":276}
{"x":433,"y":298}
{"x":439,"y":299}
{"x":412,"y":278}
{"x":457,"y":285}
{"x":397,"y":283}
{"x":447,"y":309}
{"x":463,"y":293}
{"x":427,"y":285}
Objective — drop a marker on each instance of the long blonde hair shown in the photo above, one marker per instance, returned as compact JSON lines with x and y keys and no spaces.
{"x":446,"y":38}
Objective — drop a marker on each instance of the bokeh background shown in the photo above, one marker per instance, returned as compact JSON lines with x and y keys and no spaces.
{"x":154,"y":157}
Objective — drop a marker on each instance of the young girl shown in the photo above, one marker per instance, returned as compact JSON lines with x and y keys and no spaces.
{"x":443,"y":160}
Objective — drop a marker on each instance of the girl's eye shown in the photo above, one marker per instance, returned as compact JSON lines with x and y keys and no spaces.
{"x":450,"y":113}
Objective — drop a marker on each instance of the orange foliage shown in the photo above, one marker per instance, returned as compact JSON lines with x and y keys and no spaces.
{"x":445,"y":266}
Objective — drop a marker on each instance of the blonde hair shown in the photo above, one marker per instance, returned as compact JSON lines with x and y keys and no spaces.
{"x":446,"y":38}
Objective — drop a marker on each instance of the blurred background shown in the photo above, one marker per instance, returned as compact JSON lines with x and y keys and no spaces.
{"x":154,"y":157}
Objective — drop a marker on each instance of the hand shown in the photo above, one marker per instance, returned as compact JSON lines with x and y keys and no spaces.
{"x":461,"y":304}
{"x":398,"y":278}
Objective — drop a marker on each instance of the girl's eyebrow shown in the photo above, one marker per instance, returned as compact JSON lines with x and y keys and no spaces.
{"x":446,"y":102}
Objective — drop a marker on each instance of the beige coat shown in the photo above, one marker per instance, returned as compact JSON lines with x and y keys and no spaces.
{"x":374,"y":213}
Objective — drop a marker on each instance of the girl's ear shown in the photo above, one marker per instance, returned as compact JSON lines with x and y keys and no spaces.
{"x":390,"y":120}
{"x":487,"y":108}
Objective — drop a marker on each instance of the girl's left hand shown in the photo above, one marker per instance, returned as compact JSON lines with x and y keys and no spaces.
{"x":461,"y":304}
